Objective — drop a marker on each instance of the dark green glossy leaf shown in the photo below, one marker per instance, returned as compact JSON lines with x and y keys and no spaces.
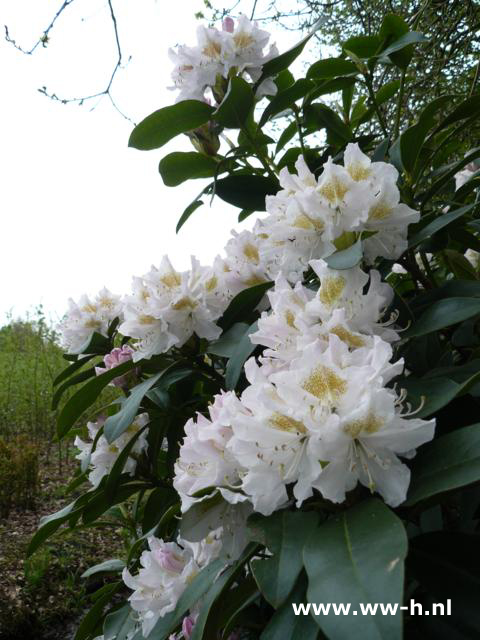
{"x":357,"y":557}
{"x":228,"y":341}
{"x":362,"y":47}
{"x":86,"y":396}
{"x":242,"y":351}
{"x":332,"y":68}
{"x":163,"y":125}
{"x":180,"y":166}
{"x":68,"y":371}
{"x":236,"y":105}
{"x":321,"y":116}
{"x":446,"y":463}
{"x":440,"y":222}
{"x":246,"y":191}
{"x":412,"y":37}
{"x":285,"y":534}
{"x":80,"y":377}
{"x":286,"y":135}
{"x":93,"y":617}
{"x":49,"y":524}
{"x":286,"y":99}
{"x":243,"y":304}
{"x":444,"y":313}
{"x":193,"y":206}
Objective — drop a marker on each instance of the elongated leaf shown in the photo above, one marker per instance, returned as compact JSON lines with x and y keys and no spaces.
{"x":80,"y":377}
{"x":93,"y":617}
{"x":68,"y":371}
{"x":86,"y":396}
{"x":444,"y":313}
{"x":446,"y":463}
{"x":180,"y":166}
{"x":114,"y":565}
{"x":321,"y":116}
{"x":101,"y":503}
{"x":362,"y":47}
{"x":357,"y":557}
{"x":243,"y":304}
{"x":120,"y":462}
{"x":246,"y":191}
{"x":448,"y":175}
{"x":285,"y":534}
{"x":49,"y":524}
{"x":193,"y":206}
{"x":412,"y":37}
{"x":228,"y":341}
{"x":332,"y":68}
{"x":236,"y":105}
{"x":466,"y":109}
{"x":286,"y":135}
{"x":285,"y":624}
{"x":347,"y":258}
{"x":440,"y":222}
{"x":118,"y":624}
{"x":285,"y":99}
{"x":284,"y":60}
{"x":242,"y":351}
{"x":163,"y":125}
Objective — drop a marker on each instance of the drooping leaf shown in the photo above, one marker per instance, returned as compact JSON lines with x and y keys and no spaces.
{"x":163,"y":125}
{"x":242,"y":351}
{"x":446,"y":463}
{"x":70,"y":370}
{"x":320,"y":116}
{"x":118,"y":624}
{"x":228,"y":341}
{"x":285,"y":534}
{"x":180,"y":166}
{"x":243,"y":304}
{"x":357,"y":557}
{"x":246,"y":191}
{"x":114,"y":565}
{"x":193,"y":206}
{"x":332,"y":68}
{"x":93,"y":617}
{"x":86,"y":396}
{"x":440,"y":222}
{"x":444,"y":313}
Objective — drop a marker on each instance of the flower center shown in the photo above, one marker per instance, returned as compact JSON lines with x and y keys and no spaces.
{"x":325,"y":384}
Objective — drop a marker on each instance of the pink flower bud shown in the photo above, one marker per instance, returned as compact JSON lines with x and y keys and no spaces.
{"x":117,"y":356}
{"x":169,"y":561}
{"x":228,"y":25}
{"x":187,"y":626}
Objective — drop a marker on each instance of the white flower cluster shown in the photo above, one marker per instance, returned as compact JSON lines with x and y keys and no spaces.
{"x":236,"y":49}
{"x":88,"y":316}
{"x":318,"y":413}
{"x":102,"y":458}
{"x":166,"y":570}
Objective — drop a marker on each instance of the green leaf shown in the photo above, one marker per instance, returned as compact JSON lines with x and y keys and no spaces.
{"x":387,"y":91}
{"x":97,"y":344}
{"x":228,"y":341}
{"x":114,"y":565}
{"x":246,"y":191}
{"x":101,"y":502}
{"x":236,"y":105}
{"x":412,"y":37}
{"x":242,"y":351}
{"x":118,"y":423}
{"x":193,"y":206}
{"x":244,"y":214}
{"x":86,"y":396}
{"x":357,"y":557}
{"x":285,"y":534}
{"x":363,"y":47}
{"x":321,"y":116}
{"x":440,"y":222}
{"x":118,"y":624}
{"x":68,"y":371}
{"x":466,"y":109}
{"x":80,"y":377}
{"x":446,"y":463}
{"x":448,"y":175}
{"x":243,"y":304}
{"x":284,"y":60}
{"x":285,"y":624}
{"x":161,"y":126}
{"x":286,"y":135}
{"x":221,"y":583}
{"x":93,"y":617}
{"x":180,"y":166}
{"x":347,"y":258}
{"x":49,"y":524}
{"x":442,"y":314}
{"x":332,"y":68}
{"x":286,"y":99}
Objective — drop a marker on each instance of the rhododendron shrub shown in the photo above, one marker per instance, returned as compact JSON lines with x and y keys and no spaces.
{"x":295,"y":421}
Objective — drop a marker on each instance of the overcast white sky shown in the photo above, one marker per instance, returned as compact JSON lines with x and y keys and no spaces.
{"x":79,"y":209}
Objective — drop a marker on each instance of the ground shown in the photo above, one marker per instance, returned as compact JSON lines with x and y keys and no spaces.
{"x":43,"y":598}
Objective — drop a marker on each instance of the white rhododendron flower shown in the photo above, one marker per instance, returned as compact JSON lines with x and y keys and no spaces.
{"x":167,"y":307}
{"x":103,"y":457}
{"x":237,"y":48}
{"x":204,"y":460}
{"x":87,"y":316}
{"x":166,"y":571}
